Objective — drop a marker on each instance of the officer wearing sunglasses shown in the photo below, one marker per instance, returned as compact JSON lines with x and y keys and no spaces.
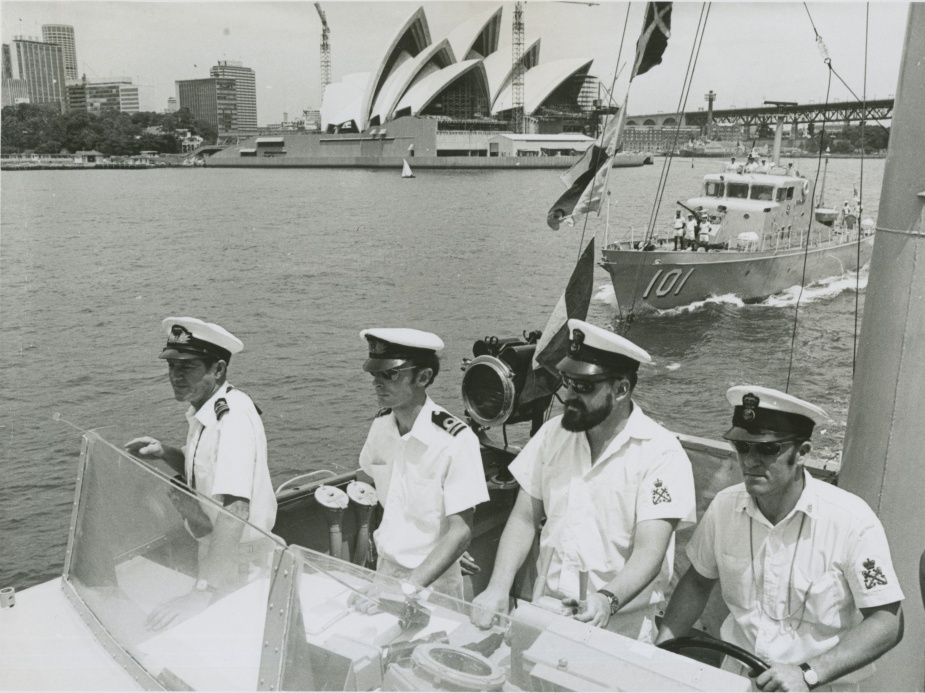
{"x":804,"y":567}
{"x":612,"y":484}
{"x":425,"y":463}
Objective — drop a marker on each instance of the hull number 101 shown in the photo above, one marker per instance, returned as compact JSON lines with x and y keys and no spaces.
{"x":669,"y":281}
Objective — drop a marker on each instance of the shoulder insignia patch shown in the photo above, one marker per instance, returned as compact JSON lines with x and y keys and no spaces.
{"x":448,"y":423}
{"x":384,"y":412}
{"x":660,"y":493}
{"x":221,"y":408}
{"x":873,"y":575}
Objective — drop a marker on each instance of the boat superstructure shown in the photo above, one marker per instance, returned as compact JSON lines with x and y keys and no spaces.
{"x":761,"y":236}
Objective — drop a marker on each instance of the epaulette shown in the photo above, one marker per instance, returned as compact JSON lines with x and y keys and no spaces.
{"x":384,"y":412}
{"x":448,"y":423}
{"x":230,"y":388}
{"x":221,"y":408}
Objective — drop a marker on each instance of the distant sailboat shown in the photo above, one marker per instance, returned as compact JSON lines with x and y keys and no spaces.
{"x":406,"y":170}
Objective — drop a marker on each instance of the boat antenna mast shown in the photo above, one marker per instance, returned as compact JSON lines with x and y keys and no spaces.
{"x":779,"y":128}
{"x":325,"y":50}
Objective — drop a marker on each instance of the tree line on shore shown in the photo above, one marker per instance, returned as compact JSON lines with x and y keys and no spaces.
{"x":32,"y":128}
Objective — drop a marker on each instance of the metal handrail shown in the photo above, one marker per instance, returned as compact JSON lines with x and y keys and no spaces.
{"x":325,"y":474}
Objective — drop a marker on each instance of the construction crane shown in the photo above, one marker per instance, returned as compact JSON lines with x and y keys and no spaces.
{"x":325,"y":49}
{"x":517,"y":72}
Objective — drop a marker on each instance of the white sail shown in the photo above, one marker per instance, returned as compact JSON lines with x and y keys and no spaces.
{"x":406,"y":170}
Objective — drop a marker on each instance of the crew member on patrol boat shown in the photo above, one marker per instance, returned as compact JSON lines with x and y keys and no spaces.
{"x":426,"y":464}
{"x":803,"y":566}
{"x":613,"y":486}
{"x":224,"y":459}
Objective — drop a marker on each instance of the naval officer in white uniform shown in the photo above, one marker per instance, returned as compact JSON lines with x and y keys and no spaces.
{"x":425,"y":464}
{"x":803,"y":566}
{"x":224,"y":459}
{"x":613,"y":486}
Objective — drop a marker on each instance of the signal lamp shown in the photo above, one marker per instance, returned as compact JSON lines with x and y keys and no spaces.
{"x":494,"y":382}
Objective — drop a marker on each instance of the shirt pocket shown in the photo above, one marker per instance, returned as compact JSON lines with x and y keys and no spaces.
{"x":423,"y":500}
{"x":822,"y":596}
{"x":737,"y":580}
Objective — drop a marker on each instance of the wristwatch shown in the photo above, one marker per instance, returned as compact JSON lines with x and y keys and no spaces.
{"x":809,"y":675}
{"x":202,"y":585}
{"x":612,"y":598}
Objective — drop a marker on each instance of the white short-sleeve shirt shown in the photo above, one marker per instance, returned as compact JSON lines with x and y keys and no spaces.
{"x":840,"y":563}
{"x":592,"y":510}
{"x":422,"y":477}
{"x":229,"y":456}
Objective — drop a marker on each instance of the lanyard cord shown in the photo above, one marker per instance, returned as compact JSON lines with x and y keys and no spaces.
{"x":793,"y":559}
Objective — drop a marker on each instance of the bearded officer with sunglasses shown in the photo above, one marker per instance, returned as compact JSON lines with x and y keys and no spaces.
{"x":613,"y":486}
{"x":425,"y":463}
{"x":803,"y":566}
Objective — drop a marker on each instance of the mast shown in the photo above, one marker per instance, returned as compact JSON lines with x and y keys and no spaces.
{"x":883,"y":461}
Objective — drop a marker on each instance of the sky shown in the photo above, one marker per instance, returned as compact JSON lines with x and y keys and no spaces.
{"x":751,"y":52}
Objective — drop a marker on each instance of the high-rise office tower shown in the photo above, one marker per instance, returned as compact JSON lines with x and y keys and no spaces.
{"x":41,"y":66}
{"x":245,"y":87}
{"x":172,"y":106}
{"x":14,"y":90}
{"x":106,"y":95}
{"x":212,"y":100}
{"x":63,"y":35}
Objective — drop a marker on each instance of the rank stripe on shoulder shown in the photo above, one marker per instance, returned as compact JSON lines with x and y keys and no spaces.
{"x":221,"y":408}
{"x":448,"y":423}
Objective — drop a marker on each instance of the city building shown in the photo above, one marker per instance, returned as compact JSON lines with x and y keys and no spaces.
{"x":212,"y":100}
{"x":40,"y":66}
{"x":172,"y":106}
{"x":14,"y":90}
{"x":103,"y":95}
{"x":245,"y":91}
{"x":63,"y":35}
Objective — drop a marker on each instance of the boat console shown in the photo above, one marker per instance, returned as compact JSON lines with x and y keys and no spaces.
{"x":287,"y":617}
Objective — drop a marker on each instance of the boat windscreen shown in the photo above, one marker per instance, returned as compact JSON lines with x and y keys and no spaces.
{"x":762,"y":192}
{"x":713,"y":188}
{"x":737,"y":191}
{"x":141,"y":559}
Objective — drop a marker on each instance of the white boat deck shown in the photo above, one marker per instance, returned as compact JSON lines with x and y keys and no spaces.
{"x":44,"y":645}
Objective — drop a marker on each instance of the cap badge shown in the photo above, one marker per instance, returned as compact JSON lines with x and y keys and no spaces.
{"x":578,"y":338}
{"x":873,"y":576}
{"x":749,"y":404}
{"x":179,"y":335}
{"x":377,"y":347}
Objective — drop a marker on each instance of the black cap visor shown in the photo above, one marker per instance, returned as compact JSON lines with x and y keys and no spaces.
{"x":378,"y":365}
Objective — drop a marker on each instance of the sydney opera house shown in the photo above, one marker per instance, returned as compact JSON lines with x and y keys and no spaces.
{"x":446,"y":102}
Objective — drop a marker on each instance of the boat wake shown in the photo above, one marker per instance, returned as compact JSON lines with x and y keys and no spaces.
{"x":606,"y":295}
{"x":825,"y":289}
{"x":724,"y":300}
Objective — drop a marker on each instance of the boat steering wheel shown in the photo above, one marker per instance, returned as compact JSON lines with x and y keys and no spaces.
{"x":755,"y":664}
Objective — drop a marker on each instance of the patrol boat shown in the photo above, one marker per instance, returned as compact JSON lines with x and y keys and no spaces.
{"x":767,"y":242}
{"x":290,"y":623}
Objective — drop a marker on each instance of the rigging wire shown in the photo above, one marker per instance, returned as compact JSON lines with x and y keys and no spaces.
{"x":613,"y":82}
{"x":857,"y":286}
{"x":666,"y":165}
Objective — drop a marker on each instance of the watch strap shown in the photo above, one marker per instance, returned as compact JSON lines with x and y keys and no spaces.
{"x":809,"y":675}
{"x":612,"y":598}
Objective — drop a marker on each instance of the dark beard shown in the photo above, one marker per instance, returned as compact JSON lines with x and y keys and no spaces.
{"x":581,"y":418}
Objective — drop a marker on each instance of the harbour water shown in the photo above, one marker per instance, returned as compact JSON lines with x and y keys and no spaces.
{"x":296,"y":263}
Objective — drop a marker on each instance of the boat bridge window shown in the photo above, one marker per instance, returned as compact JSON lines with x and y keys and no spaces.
{"x":790,"y":193}
{"x":714,"y":189}
{"x":762,"y":192}
{"x":737,"y":190}
{"x":781,"y":194}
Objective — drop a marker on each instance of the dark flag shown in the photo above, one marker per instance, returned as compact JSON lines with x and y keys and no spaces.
{"x":587,"y":179}
{"x":553,"y":345}
{"x":656,"y":29}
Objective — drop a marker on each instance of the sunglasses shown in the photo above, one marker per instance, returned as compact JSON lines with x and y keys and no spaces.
{"x":766,"y":449}
{"x":581,"y":386}
{"x":391,"y":374}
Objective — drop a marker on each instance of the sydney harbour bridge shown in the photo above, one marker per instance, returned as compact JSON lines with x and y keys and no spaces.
{"x":793,"y":114}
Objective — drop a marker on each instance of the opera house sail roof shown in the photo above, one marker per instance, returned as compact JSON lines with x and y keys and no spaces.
{"x":464,"y":76}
